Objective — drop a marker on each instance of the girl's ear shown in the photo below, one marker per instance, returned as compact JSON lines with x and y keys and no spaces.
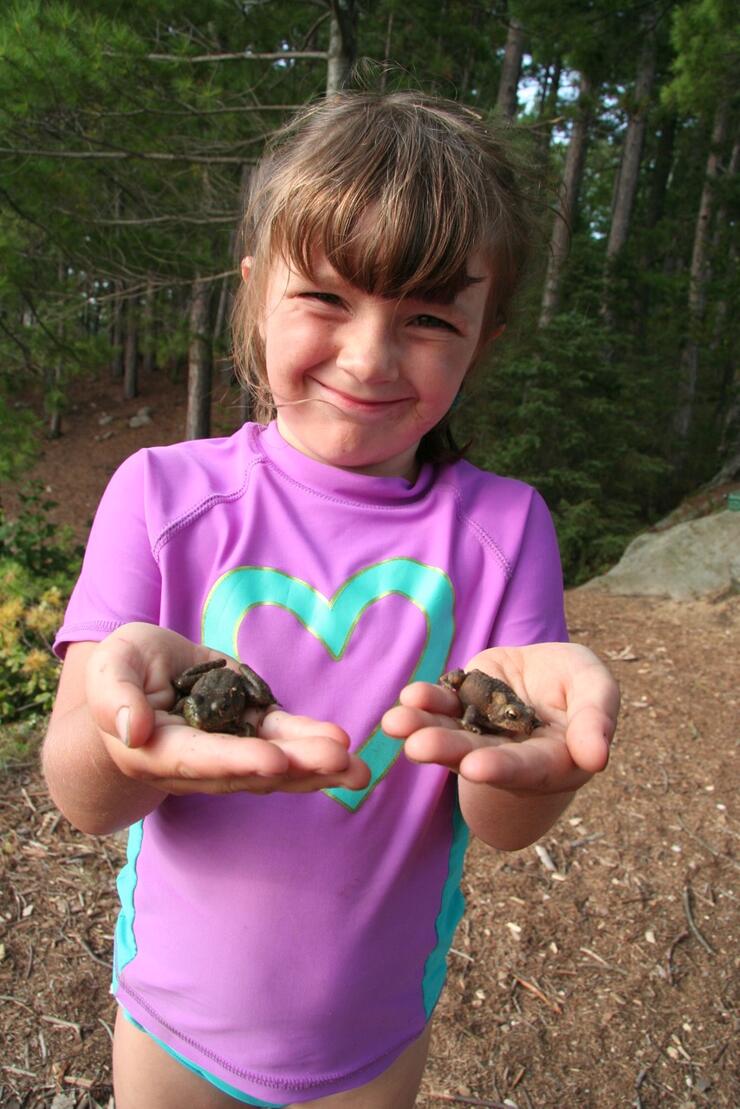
{"x":493,"y":335}
{"x":246,"y":267}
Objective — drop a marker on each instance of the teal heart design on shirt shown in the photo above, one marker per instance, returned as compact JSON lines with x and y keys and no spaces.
{"x":333,"y":620}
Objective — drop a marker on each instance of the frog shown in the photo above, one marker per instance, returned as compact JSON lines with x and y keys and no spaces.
{"x":213,"y":698}
{"x":490,"y":706}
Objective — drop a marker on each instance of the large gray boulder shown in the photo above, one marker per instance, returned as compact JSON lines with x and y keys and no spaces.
{"x":689,"y":560}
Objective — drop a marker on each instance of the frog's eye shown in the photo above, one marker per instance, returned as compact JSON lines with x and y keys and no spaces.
{"x":511,"y":714}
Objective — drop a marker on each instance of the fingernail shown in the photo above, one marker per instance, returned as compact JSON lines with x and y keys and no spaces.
{"x":123,"y":724}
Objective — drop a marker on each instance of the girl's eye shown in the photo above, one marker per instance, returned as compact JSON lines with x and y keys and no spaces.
{"x":324,"y":298}
{"x":434,"y":322}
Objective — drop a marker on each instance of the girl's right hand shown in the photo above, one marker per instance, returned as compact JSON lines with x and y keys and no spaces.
{"x":130,"y":695}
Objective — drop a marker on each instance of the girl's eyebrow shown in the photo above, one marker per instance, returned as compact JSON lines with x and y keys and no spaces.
{"x":446,"y":294}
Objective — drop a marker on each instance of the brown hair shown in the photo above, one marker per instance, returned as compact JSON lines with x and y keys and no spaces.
{"x":440,"y":184}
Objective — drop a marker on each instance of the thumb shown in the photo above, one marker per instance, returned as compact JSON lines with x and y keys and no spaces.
{"x":115,"y":692}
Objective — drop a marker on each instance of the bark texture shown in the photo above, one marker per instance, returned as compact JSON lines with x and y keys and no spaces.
{"x":200,"y":363}
{"x":342,"y":44}
{"x":506,"y":102}
{"x":575,"y":162}
{"x":689,"y":366}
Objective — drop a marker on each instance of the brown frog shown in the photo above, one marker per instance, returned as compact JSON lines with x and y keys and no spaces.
{"x":490,"y":705}
{"x":214,"y":698}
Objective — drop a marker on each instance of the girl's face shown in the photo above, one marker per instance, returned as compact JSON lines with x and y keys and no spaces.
{"x":359,"y":379}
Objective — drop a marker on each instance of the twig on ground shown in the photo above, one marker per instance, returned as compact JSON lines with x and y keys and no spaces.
{"x":460,"y":1100}
{"x":538,"y":993}
{"x":90,"y":952}
{"x":638,"y":1082}
{"x":686,"y":899}
{"x":669,"y":957}
{"x":598,"y":958}
{"x":707,"y":847}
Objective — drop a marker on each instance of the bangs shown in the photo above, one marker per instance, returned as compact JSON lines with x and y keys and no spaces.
{"x":388,"y":208}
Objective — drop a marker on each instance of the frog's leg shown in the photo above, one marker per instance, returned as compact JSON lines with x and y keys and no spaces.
{"x":453,"y":679}
{"x":471,"y":720}
{"x":184,"y":682}
{"x":259,"y":691}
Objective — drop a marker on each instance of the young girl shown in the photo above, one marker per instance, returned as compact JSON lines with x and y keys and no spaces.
{"x":289,"y":900}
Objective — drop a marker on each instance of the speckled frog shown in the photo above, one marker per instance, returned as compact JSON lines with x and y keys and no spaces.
{"x":490,"y":705}
{"x":214,"y":698}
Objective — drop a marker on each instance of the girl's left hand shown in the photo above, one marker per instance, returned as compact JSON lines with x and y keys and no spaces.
{"x":569,"y":689}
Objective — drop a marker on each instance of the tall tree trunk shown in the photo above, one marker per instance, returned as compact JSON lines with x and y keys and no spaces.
{"x":149,"y":337}
{"x":625,"y":186}
{"x":506,"y":101}
{"x":629,"y":168}
{"x":116,"y":332}
{"x":575,"y":161}
{"x":131,"y":353}
{"x":548,"y":109}
{"x":200,"y":363}
{"x":55,"y":386}
{"x":689,"y":365}
{"x":661,"y":170}
{"x":342,"y":45}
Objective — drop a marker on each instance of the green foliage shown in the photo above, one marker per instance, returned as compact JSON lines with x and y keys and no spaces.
{"x":558,"y":411}
{"x":38,"y":564}
{"x":18,"y":428}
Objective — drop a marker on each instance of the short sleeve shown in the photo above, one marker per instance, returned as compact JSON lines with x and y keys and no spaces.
{"x":120,"y":579}
{"x":532,"y":609}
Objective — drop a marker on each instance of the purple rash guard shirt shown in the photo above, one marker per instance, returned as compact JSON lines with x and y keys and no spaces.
{"x":292,"y":946}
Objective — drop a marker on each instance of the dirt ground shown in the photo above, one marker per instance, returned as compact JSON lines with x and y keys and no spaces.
{"x":596,"y":970}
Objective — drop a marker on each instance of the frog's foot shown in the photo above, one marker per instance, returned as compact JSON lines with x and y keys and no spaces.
{"x":470,"y":720}
{"x":184,"y":682}
{"x":453,"y":679}
{"x":259,"y":692}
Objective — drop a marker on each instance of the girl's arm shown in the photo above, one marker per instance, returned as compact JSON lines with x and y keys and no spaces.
{"x":113,"y":753}
{"x":511,"y":793}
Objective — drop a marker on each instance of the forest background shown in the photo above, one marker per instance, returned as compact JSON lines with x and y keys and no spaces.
{"x":128,"y":133}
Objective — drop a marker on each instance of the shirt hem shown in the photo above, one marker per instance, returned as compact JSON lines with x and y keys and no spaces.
{"x":253,"y":1083}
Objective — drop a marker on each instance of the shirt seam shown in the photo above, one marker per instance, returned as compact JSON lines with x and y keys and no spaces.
{"x":480,"y":533}
{"x":334,"y":498}
{"x":203,"y":506}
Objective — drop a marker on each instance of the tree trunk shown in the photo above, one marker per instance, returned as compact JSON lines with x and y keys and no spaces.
{"x":575,"y":162}
{"x":342,"y":45}
{"x":506,"y":102}
{"x":116,"y":338}
{"x":689,"y":366}
{"x":200,"y":363}
{"x":55,"y":387}
{"x":548,"y":109}
{"x":149,"y":338}
{"x":131,"y":354}
{"x":629,"y":169}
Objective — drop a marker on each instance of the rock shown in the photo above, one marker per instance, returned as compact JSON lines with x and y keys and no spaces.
{"x":105,"y":419}
{"x":693,"y":559}
{"x":142,"y":417}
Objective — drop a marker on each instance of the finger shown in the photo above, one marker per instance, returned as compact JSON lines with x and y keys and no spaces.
{"x":278,"y":724}
{"x":357,"y":776}
{"x":313,"y":755}
{"x":593,"y":706}
{"x":539,"y":765}
{"x":432,"y":698}
{"x":443,"y":746}
{"x":401,"y":721}
{"x":176,"y":751}
{"x":115,"y":680}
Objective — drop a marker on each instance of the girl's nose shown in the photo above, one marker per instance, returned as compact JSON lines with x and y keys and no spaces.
{"x":367,"y":349}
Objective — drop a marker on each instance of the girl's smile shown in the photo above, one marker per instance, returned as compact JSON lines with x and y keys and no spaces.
{"x":357,"y":378}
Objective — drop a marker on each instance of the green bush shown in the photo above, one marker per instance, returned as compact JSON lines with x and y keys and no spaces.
{"x":559,"y":409}
{"x":38,"y":566}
